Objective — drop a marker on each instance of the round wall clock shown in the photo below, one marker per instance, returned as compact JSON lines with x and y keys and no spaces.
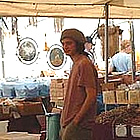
{"x":56,"y":58}
{"x":27,"y":51}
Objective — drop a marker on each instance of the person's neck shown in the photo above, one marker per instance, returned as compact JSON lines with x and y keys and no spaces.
{"x":123,"y":51}
{"x":88,"y":50}
{"x":75,"y":57}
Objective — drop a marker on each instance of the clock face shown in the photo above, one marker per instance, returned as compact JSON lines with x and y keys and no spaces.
{"x":27,"y":51}
{"x":56,"y":58}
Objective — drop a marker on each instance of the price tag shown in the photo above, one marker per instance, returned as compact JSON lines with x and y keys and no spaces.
{"x":135,"y":131}
{"x":121,"y":130}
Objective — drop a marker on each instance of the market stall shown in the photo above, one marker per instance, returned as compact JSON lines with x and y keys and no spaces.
{"x":81,"y":9}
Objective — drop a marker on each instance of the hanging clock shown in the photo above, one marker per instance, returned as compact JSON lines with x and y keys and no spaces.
{"x":27,"y":51}
{"x":56,"y":58}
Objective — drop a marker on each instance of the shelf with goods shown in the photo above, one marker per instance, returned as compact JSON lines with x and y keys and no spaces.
{"x":123,"y":94}
{"x":123,"y":120}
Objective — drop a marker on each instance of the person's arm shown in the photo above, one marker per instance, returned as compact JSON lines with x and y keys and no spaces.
{"x":110,"y":69}
{"x":111,"y":66}
{"x":129,"y":64}
{"x":91,"y":98}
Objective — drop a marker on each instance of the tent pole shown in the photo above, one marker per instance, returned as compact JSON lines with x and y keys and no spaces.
{"x":133,"y":50}
{"x":106,"y":42}
{"x":2,"y":54}
{"x":2,"y":50}
{"x":106,"y":46}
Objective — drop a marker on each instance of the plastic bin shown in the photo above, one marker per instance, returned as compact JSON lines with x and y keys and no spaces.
{"x":53,"y":126}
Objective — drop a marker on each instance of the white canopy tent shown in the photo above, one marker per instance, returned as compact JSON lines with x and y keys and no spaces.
{"x":122,"y":9}
{"x":71,"y":8}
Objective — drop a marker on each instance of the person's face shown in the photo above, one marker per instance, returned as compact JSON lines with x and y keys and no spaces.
{"x":128,"y":48}
{"x":69,"y":46}
{"x":88,"y":46}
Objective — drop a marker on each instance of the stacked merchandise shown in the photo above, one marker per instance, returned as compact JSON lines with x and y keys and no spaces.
{"x":109,"y":92}
{"x":58,"y":90}
{"x":123,"y":94}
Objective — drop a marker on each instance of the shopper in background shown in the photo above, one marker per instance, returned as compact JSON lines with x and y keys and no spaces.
{"x":78,"y":115}
{"x":88,"y":49}
{"x":121,"y":62}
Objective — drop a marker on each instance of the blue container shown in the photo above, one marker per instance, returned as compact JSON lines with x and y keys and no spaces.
{"x":44,"y":90}
{"x":9,"y":89}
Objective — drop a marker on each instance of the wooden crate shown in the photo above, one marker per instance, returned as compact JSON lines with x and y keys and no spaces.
{"x":109,"y":97}
{"x":108,"y":86}
{"x":58,"y":90}
{"x":121,"y":97}
{"x":134,"y":96}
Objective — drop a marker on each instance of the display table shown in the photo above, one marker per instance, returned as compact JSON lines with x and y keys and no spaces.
{"x":24,"y":116}
{"x":23,"y":108}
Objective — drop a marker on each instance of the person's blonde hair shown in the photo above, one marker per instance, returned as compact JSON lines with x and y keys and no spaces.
{"x":124,"y":44}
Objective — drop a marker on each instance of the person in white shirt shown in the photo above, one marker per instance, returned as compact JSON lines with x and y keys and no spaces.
{"x":121,"y":61}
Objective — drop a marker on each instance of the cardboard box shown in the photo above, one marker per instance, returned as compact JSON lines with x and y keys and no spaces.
{"x":58,"y":90}
{"x":108,"y":86}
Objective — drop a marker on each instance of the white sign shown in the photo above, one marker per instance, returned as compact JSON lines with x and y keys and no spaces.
{"x":135,"y":131}
{"x":121,"y":130}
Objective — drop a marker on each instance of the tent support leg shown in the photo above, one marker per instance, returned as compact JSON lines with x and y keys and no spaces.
{"x":106,"y":42}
